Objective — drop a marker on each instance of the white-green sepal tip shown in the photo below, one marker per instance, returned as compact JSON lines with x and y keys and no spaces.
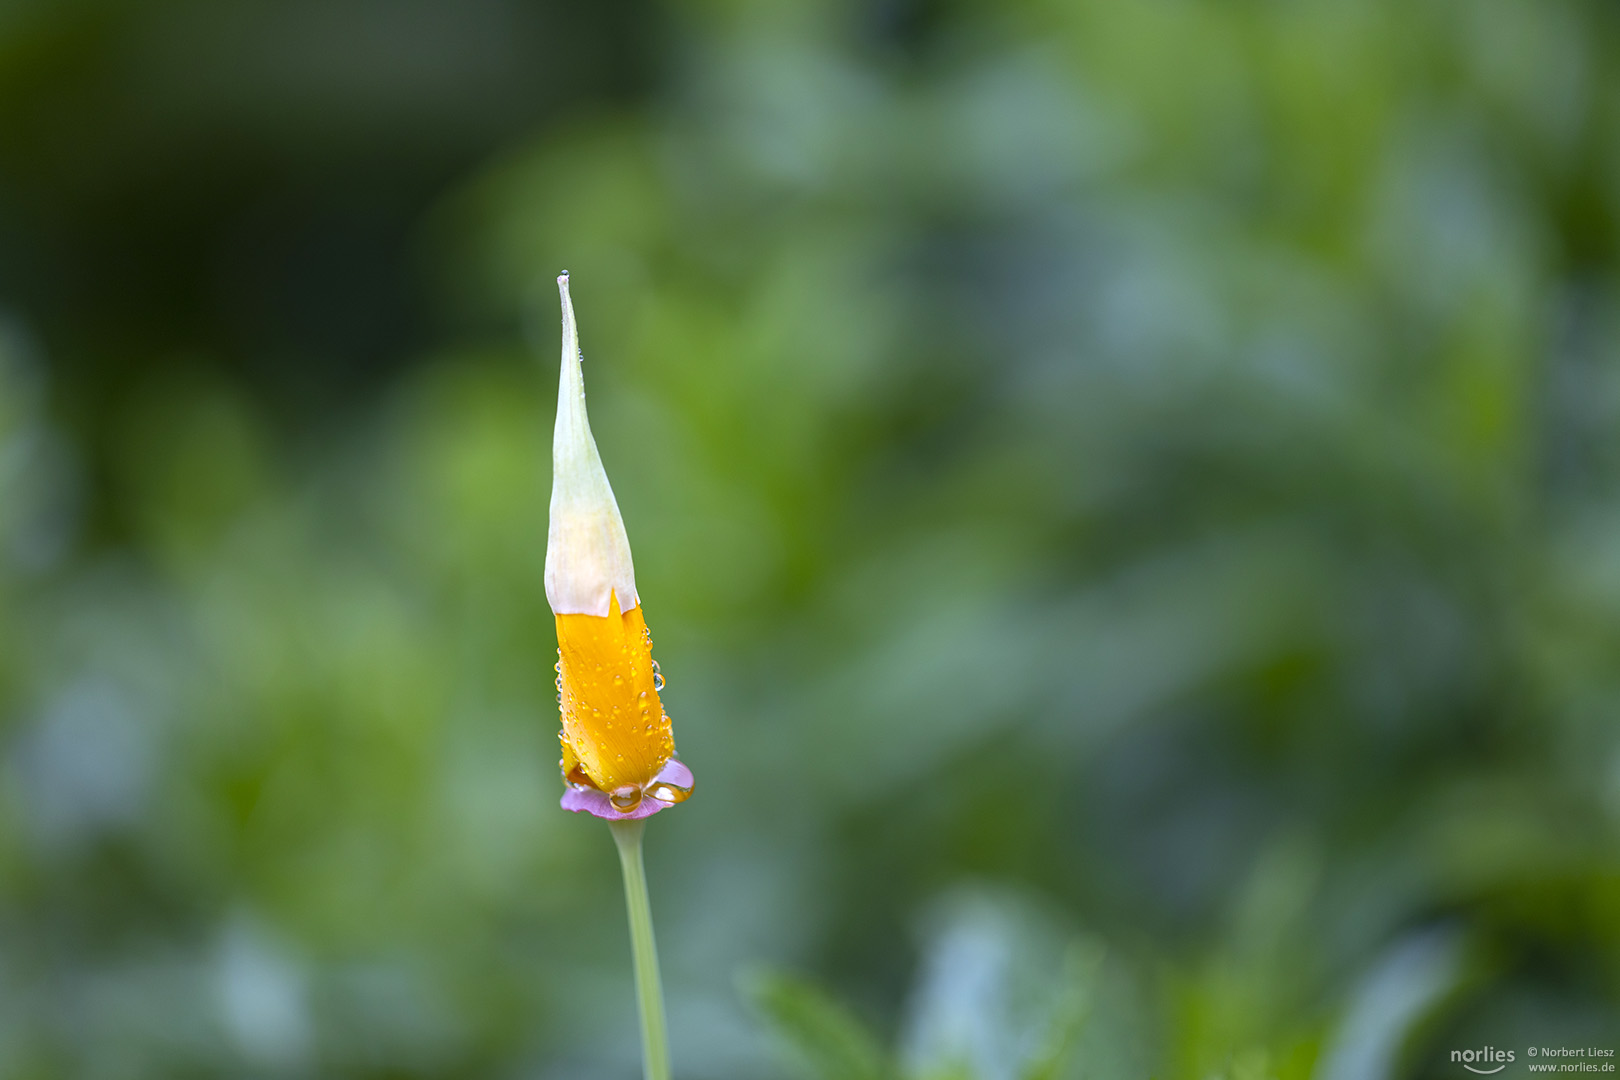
{"x":587,"y":552}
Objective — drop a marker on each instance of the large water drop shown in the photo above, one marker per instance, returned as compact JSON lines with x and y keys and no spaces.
{"x":673,"y":783}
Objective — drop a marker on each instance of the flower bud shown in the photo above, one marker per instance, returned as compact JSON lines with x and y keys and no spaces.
{"x":618,"y":750}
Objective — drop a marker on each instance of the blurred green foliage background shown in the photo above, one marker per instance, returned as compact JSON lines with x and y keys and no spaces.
{"x":1126,"y":495}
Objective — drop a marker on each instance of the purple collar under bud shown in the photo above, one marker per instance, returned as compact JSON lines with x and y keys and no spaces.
{"x":673,"y":781}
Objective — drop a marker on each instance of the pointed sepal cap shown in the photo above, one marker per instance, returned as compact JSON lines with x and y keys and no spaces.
{"x":587,"y":552}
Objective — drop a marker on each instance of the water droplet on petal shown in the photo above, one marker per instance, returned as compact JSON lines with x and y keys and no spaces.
{"x":673,"y":783}
{"x":625,"y":799}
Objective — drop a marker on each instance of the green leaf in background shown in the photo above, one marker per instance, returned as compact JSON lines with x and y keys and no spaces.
{"x":1405,"y":985}
{"x":1059,"y":1056}
{"x":826,"y":1038}
{"x":1002,"y":992}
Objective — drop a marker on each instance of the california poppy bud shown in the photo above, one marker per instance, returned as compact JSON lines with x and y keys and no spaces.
{"x":618,"y":750}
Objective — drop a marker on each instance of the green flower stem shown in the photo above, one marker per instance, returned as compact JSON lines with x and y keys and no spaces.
{"x":649,"y":991}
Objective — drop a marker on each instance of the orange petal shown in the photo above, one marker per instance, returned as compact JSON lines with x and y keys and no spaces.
{"x":613,"y":725}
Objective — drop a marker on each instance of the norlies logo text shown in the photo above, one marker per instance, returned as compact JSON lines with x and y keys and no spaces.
{"x":1488,"y":1056}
